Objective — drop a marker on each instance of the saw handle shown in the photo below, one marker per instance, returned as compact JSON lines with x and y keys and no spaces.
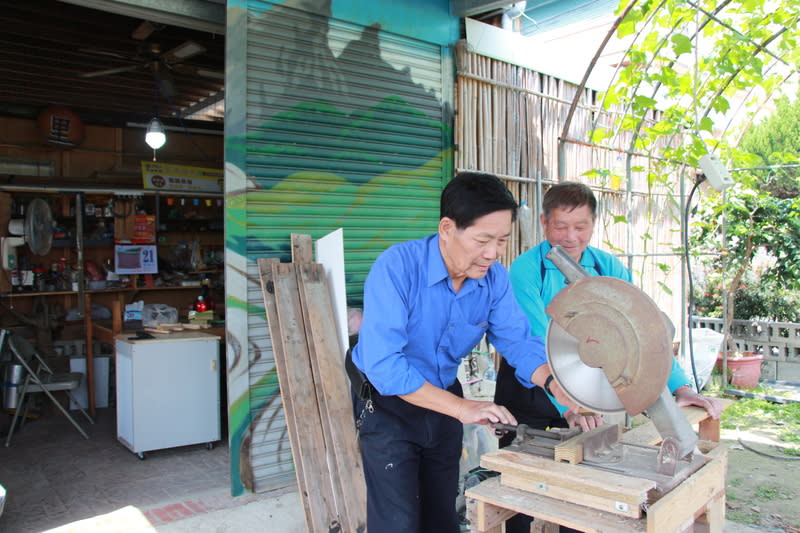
{"x":567,"y":265}
{"x":502,"y":429}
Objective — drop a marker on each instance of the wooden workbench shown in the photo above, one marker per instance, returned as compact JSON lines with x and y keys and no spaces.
{"x":597,"y":501}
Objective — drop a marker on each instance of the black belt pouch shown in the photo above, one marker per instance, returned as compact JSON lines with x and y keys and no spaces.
{"x":358,"y":380}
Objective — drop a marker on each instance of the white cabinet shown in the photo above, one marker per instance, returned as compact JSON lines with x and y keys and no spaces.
{"x":168,"y":391}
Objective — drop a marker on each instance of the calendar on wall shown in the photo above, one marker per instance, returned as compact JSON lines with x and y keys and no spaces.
{"x":135,"y":259}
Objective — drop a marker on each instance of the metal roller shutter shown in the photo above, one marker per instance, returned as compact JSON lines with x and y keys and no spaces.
{"x":344,"y":126}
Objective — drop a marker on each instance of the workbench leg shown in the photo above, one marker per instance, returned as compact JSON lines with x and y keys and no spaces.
{"x":713,"y":520}
{"x":89,"y":376}
{"x":540,"y":526}
{"x":487,"y":518}
{"x":708,"y":429}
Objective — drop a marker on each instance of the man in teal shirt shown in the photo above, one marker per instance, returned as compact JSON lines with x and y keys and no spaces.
{"x":569,"y":211}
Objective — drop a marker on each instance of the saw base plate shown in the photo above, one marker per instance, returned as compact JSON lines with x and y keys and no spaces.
{"x":641,"y":461}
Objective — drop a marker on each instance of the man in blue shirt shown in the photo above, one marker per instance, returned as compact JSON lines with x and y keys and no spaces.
{"x":427,"y":304}
{"x":568,"y":216}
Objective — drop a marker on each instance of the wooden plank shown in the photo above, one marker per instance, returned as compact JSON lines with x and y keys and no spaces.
{"x":268,"y":291}
{"x":551,"y":510}
{"x":317,"y":385}
{"x":582,"y":479}
{"x":301,"y":248}
{"x":692,"y":497}
{"x":333,"y":392}
{"x":293,"y":359}
{"x":574,"y":494}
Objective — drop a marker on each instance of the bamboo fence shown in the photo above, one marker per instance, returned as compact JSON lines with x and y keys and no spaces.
{"x":508,"y":122}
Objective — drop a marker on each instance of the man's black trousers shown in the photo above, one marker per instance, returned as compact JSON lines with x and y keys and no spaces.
{"x":411,"y":466}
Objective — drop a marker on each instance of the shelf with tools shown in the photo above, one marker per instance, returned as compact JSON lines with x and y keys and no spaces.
{"x":79,"y":249}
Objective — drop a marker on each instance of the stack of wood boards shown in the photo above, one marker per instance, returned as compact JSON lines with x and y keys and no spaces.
{"x":202,"y":319}
{"x":163,"y":327}
{"x":315,"y":391}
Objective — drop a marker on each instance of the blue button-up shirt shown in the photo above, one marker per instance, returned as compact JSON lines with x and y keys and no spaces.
{"x":417,"y":328}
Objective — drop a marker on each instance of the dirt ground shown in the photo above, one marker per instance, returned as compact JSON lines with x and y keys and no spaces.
{"x":761,"y":491}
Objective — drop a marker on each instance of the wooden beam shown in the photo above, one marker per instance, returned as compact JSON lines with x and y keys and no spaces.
{"x":551,"y":510}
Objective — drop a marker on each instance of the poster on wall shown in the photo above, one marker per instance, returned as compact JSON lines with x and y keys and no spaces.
{"x":135,"y":259}
{"x":165,"y":177}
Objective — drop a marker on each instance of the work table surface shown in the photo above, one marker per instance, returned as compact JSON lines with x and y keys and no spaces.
{"x":175,"y":336}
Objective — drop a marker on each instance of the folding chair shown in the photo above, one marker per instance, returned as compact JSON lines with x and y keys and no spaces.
{"x":40,"y":378}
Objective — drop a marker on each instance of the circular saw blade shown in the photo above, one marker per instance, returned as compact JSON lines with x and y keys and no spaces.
{"x":609,"y":338}
{"x":587,"y":386}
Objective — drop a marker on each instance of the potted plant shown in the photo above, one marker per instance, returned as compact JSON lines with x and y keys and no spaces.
{"x":744,"y":367}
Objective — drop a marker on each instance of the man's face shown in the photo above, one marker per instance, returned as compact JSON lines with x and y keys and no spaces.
{"x":570,"y":228}
{"x":469,"y":252}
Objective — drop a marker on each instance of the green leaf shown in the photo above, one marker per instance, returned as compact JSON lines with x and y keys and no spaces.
{"x":706,"y":124}
{"x":599,"y":134}
{"x":644,"y":102}
{"x":596,"y":173}
{"x":665,"y":287}
{"x":662,"y":127}
{"x":721,"y":105}
{"x":620,"y":219}
{"x":681,"y":44}
{"x":626,"y":28}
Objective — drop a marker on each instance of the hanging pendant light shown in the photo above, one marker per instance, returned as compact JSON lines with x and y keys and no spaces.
{"x":155,"y":136}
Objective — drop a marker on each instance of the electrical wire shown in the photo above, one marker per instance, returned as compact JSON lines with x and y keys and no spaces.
{"x":700,"y":179}
{"x":766,"y":454}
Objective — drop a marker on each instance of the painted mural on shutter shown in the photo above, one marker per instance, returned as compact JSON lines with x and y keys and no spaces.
{"x":333,"y":120}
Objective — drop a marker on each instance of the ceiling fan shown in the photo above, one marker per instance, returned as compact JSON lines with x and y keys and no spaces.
{"x":151,"y":57}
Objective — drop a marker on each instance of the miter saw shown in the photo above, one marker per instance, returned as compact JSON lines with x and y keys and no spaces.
{"x":609,"y":347}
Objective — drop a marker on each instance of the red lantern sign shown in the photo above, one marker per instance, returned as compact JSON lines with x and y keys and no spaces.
{"x":61,"y":127}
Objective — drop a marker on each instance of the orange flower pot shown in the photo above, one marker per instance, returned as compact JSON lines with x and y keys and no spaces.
{"x":745,"y":372}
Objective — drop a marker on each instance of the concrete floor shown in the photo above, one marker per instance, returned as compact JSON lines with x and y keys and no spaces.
{"x":57,"y":481}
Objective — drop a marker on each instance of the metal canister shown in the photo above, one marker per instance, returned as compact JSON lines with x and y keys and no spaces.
{"x":12,"y":379}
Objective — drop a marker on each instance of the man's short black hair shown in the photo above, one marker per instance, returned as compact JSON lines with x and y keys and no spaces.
{"x":569,"y":195}
{"x":471,"y":195}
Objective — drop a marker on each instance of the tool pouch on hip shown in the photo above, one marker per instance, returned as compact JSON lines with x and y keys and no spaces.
{"x":358,"y":380}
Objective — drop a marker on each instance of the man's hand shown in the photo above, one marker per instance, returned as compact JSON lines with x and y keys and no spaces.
{"x":686,"y":396}
{"x":486,"y":413}
{"x":466,"y":411}
{"x":585,"y":421}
